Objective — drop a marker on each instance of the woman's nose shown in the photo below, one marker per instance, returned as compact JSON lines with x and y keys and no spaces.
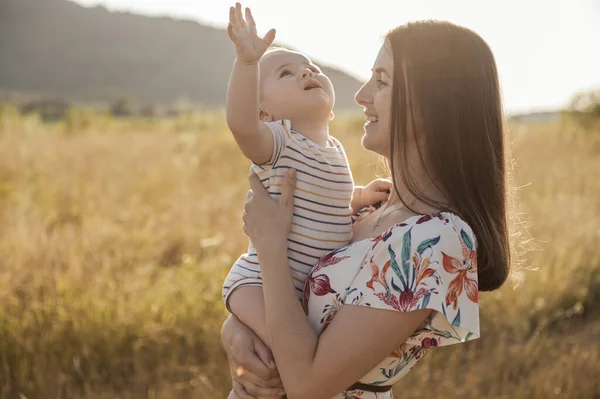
{"x":363,"y":97}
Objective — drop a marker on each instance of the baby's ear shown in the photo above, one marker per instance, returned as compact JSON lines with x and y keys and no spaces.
{"x":331,"y":116}
{"x":264,"y":116}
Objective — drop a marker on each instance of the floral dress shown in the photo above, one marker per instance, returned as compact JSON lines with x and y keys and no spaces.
{"x":428,"y":262}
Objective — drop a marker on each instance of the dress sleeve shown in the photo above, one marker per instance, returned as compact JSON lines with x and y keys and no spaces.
{"x":281,"y":134}
{"x":431,"y":264}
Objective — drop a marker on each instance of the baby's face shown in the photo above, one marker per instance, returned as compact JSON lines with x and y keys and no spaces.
{"x":291,"y":86}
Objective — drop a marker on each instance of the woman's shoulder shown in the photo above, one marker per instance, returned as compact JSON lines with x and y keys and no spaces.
{"x":439,"y":232}
{"x":427,"y":261}
{"x":444,"y":224}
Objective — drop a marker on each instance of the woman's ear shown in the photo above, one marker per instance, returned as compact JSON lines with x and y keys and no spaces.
{"x":264,"y":116}
{"x":331,"y":116}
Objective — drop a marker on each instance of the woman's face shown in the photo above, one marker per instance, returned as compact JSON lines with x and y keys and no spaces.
{"x":376,"y":98}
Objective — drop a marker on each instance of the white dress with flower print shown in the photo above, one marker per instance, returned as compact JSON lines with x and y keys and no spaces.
{"x":426,"y":262}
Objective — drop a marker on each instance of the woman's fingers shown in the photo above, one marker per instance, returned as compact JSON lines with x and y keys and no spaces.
{"x":232,"y":395}
{"x":248,"y":361}
{"x":264,"y":353}
{"x":287,"y":191}
{"x":274,"y":384}
{"x":257,"y":391}
{"x":240,"y":391}
{"x":255,"y":185}
{"x":239,"y":343}
{"x":242,"y":374}
{"x":266,"y":356}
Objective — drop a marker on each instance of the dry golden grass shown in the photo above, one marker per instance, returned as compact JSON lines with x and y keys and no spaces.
{"x":115,"y":237}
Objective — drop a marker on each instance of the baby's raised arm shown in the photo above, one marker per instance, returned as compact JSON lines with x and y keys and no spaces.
{"x":242,"y":109}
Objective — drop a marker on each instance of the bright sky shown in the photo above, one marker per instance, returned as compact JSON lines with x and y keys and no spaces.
{"x":545,"y":50}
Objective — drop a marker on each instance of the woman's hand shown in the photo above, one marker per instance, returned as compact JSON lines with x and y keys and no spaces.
{"x":267,"y":222}
{"x":249,"y":47}
{"x":251,"y":364}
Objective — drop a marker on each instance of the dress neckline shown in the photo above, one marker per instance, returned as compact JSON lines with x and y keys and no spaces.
{"x":404,"y":223}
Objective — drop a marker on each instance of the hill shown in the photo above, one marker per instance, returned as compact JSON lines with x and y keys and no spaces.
{"x":59,"y":48}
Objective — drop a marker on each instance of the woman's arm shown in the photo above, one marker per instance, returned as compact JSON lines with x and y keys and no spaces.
{"x":431,"y":266}
{"x":321,"y":367}
{"x":311,"y":366}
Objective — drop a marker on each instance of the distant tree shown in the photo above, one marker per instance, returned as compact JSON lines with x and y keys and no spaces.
{"x":171,"y":113}
{"x":584,"y":109}
{"x":148,"y":111}
{"x":123,"y":107}
{"x":47,"y":109}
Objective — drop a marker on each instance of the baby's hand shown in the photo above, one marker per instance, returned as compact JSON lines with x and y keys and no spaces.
{"x":376,"y":191}
{"x":249,"y":47}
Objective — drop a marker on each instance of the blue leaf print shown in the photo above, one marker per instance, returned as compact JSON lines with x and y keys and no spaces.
{"x":386,"y":374}
{"x":404,"y":283}
{"x":456,"y":321}
{"x":395,"y":287}
{"x":465,"y":237}
{"x":395,"y":268}
{"x":444,"y":311}
{"x":425,"y":301}
{"x":406,"y":245}
{"x":426,"y":244}
{"x":468,"y":336}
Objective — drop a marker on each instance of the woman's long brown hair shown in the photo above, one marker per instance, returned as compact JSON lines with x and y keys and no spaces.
{"x":446,"y":96}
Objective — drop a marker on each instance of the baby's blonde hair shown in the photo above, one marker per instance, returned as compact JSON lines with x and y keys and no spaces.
{"x":274,"y":49}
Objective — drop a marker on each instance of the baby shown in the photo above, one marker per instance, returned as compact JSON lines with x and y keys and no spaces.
{"x":279,"y":105}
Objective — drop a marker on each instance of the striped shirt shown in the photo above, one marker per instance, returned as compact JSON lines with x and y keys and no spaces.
{"x":322,"y":220}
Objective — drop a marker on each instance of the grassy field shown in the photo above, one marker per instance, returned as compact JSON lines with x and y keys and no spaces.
{"x":115,"y":237}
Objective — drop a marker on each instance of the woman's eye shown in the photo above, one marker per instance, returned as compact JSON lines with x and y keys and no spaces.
{"x":285,"y":72}
{"x":380,"y":83}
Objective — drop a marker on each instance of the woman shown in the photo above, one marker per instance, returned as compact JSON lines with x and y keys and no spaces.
{"x":415,"y":266}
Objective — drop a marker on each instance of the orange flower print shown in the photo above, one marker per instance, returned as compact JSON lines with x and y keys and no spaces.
{"x":378,"y":276}
{"x":399,"y":351}
{"x":463,"y":269}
